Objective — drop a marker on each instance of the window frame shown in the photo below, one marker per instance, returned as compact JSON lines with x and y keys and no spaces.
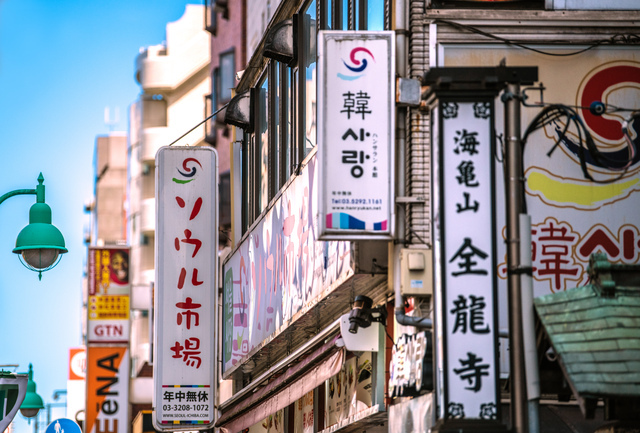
{"x":286,"y":103}
{"x":221,"y":79}
{"x":210,"y":17}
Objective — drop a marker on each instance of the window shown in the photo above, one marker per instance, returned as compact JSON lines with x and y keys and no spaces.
{"x":308,"y":84}
{"x":211,"y":106}
{"x":210,"y":17}
{"x":227,"y":78}
{"x":209,"y":126}
{"x":261,"y":137}
{"x":225,"y":199}
{"x":355,"y":14}
{"x":154,"y":111}
{"x":284,"y":101}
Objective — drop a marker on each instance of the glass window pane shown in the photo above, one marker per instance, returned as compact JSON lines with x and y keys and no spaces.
{"x":227,"y":76}
{"x":310,"y":77}
{"x":262,"y":140}
{"x":288,"y":118}
{"x":345,"y":15}
{"x":244,"y":175}
{"x":277,"y":86}
{"x":375,"y":15}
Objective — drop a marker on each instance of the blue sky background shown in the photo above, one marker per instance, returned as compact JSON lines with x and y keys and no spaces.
{"x":61,"y":63}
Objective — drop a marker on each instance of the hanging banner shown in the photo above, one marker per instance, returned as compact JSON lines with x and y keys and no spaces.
{"x":109,"y":295}
{"x":466,"y":303}
{"x":186,"y":288}
{"x":76,"y":383}
{"x":356,"y":99}
{"x":107,"y":376}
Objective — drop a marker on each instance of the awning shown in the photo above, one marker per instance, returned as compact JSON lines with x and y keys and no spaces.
{"x":295,"y":382}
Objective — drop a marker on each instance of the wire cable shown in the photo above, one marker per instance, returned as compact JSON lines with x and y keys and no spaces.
{"x":558,"y":113}
{"x":205,"y":119}
{"x":630,"y":39}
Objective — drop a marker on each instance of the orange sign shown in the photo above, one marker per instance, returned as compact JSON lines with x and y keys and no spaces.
{"x":107,"y":389}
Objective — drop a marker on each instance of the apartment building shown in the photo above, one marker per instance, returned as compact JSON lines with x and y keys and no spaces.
{"x":174,"y":79}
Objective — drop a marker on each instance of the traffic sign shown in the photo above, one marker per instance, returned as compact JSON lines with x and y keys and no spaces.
{"x":63,"y":425}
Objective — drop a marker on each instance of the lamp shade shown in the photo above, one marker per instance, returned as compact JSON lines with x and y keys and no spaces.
{"x":32,"y":402}
{"x":40,"y":243}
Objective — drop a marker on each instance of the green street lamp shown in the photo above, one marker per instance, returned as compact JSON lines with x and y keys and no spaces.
{"x":40,"y":244}
{"x":32,"y":402}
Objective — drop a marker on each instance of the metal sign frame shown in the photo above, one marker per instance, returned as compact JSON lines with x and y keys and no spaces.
{"x":466,"y":305}
{"x":356,"y":134}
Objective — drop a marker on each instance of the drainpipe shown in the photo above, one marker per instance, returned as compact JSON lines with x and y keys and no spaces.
{"x":400,"y":26}
{"x":529,"y":337}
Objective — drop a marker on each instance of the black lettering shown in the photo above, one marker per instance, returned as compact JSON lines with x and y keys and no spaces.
{"x":108,"y":363}
{"x":110,"y":407}
{"x":104,"y":389}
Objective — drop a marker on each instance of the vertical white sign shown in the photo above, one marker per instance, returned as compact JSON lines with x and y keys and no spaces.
{"x":468,"y":261}
{"x":356,"y":100}
{"x":186,"y":287}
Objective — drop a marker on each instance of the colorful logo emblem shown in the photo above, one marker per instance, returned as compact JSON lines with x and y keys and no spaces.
{"x":188,"y":171}
{"x":357,"y":64}
{"x":614,"y":84}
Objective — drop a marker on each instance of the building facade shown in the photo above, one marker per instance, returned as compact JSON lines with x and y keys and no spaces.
{"x":174,"y":80}
{"x":293,"y":298}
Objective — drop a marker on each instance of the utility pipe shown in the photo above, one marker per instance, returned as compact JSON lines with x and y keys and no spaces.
{"x":529,"y":336}
{"x":514,"y":184}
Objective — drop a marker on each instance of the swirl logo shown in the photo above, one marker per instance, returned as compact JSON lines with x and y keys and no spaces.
{"x":188,"y":171}
{"x":614,"y":84}
{"x":357,"y":64}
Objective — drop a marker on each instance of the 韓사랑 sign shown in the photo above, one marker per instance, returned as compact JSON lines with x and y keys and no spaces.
{"x":186,"y":287}
{"x":356,"y":100}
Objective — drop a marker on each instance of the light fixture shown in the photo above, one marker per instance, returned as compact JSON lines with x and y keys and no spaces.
{"x":280,"y":42}
{"x":40,"y":244}
{"x":362,"y":314}
{"x":240,"y":110}
{"x":32,"y":402}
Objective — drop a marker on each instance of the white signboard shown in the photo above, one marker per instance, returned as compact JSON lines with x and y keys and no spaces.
{"x":356,"y":99}
{"x":467,"y":304}
{"x":186,"y":287}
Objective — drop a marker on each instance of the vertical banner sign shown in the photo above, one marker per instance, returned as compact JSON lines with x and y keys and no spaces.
{"x":109,"y":294}
{"x":107,"y":408}
{"x":76,"y":384}
{"x":356,"y":100}
{"x":186,"y":287}
{"x":468,"y":262}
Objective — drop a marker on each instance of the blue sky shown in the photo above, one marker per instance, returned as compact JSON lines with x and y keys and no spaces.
{"x":61,"y":63}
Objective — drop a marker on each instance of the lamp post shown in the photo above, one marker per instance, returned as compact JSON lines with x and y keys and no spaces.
{"x":40,"y":244}
{"x":32,"y":402}
{"x":18,"y":391}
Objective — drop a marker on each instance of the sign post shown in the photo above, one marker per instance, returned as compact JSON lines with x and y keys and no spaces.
{"x":186,"y":288}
